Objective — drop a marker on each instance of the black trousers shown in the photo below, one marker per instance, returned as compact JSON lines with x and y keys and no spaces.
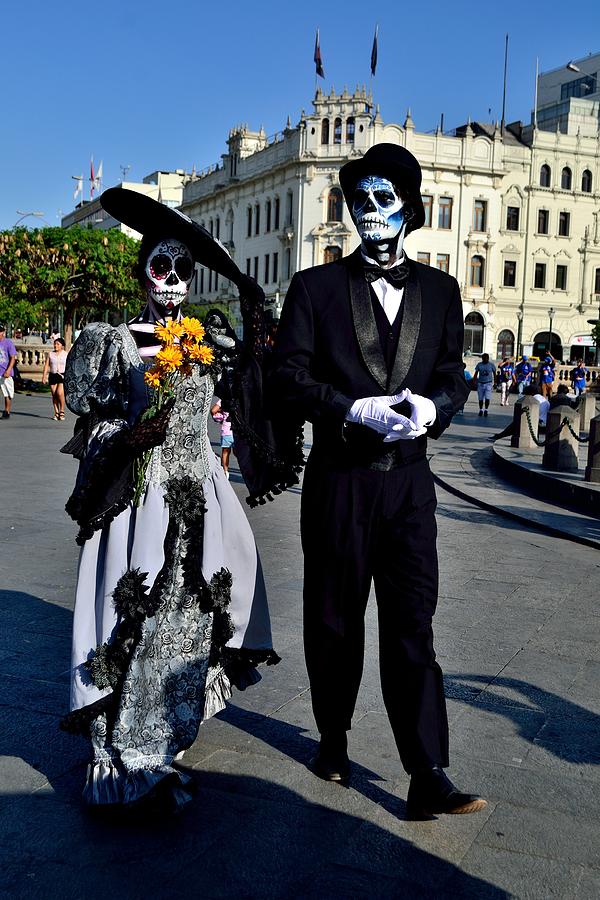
{"x":360,"y":526}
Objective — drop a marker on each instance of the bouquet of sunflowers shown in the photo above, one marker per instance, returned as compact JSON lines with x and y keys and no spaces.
{"x":182,"y":348}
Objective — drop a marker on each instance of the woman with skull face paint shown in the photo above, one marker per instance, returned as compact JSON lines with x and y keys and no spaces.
{"x":170,"y":605}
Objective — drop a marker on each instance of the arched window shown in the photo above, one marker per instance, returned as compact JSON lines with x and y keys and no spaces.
{"x":337,"y":131}
{"x":544,"y":343}
{"x":229,"y":223}
{"x":350,"y":130}
{"x":545,"y":175}
{"x":586,"y":181}
{"x":325,"y":131}
{"x":257,"y":219}
{"x":218,"y":228}
{"x":331,"y":254}
{"x":268,"y":215}
{"x":335,"y":205}
{"x":473,"y":342}
{"x":506,"y":344}
{"x":566,"y":179}
{"x":477,"y":265}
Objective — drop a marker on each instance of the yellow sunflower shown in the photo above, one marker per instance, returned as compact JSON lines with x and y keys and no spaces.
{"x":169,"y":359}
{"x":199,"y":353}
{"x":205,"y":354}
{"x":164,"y":334}
{"x":152,"y":378}
{"x":169,"y":332}
{"x":192,"y":328}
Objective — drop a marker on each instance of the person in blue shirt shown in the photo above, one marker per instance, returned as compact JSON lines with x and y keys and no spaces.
{"x":522,"y":374}
{"x":546,"y":376}
{"x":578,"y":377}
{"x":506,"y":371}
{"x":485,"y":372}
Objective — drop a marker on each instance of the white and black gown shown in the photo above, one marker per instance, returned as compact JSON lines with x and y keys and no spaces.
{"x":170,"y":603}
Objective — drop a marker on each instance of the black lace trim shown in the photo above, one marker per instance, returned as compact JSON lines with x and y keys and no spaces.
{"x":104,"y":487}
{"x":79,"y":721}
{"x":134,"y":603}
{"x":240,"y":665}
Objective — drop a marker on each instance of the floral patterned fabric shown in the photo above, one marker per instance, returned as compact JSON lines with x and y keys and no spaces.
{"x":175,"y":674}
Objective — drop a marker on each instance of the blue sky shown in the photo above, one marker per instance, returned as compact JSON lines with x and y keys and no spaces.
{"x":158,"y":86}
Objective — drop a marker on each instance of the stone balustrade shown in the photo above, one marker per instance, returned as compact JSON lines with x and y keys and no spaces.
{"x":31,"y":356}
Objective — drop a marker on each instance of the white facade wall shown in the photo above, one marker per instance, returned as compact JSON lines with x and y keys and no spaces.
{"x":476,"y":164}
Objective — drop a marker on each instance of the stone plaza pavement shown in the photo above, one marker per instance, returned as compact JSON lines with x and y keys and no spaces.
{"x":517,"y":633}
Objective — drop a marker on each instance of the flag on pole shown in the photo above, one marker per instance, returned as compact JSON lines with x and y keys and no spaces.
{"x":317,"y":57}
{"x":374,"y":51}
{"x":78,"y":186}
{"x":92,"y":178}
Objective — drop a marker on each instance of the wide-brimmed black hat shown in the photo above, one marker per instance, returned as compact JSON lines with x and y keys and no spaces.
{"x":395,"y":163}
{"x":150,"y":217}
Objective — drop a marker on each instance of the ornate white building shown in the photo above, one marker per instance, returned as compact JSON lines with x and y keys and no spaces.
{"x":166,"y":187}
{"x":513,"y":214}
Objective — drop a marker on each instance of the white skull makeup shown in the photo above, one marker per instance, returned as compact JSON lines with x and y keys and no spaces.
{"x":378,"y":211}
{"x":169,"y":271}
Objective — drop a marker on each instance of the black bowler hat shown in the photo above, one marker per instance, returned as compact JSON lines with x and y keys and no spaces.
{"x":395,"y":163}
{"x":150,"y":217}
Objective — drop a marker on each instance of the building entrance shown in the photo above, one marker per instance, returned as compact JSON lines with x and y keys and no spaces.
{"x":541,"y":345}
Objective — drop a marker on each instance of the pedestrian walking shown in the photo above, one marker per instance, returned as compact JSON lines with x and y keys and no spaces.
{"x":8,"y":359}
{"x":506,"y":371}
{"x":54,"y":375}
{"x":369,"y":349}
{"x":227,"y":442}
{"x":485,"y":373}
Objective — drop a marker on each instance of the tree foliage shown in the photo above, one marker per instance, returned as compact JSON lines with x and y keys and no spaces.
{"x":81,"y":271}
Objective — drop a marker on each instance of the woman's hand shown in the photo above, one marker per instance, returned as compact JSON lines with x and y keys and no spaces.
{"x":149,"y":433}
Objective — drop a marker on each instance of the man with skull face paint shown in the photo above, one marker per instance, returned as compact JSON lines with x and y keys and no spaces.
{"x":369,"y":349}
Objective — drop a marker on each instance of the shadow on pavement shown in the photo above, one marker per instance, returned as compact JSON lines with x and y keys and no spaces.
{"x":243,"y":836}
{"x":570,"y":732}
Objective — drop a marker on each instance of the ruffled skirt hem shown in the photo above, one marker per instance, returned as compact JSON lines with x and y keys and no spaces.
{"x":110,"y":787}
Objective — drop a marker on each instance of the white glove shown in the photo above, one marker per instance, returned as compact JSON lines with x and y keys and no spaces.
{"x":423,"y":411}
{"x":377,"y":413}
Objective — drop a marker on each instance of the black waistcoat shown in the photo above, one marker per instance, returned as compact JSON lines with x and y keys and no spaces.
{"x":388,"y":333}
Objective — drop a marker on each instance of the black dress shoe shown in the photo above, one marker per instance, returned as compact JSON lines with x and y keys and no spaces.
{"x":331,"y":762}
{"x":432,"y":793}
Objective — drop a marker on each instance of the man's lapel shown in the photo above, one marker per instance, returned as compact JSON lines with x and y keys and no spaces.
{"x":363,"y":319}
{"x":409,"y":330}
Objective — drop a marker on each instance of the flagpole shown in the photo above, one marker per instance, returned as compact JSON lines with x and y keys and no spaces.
{"x":535,"y":96}
{"x":502,"y":121}
{"x":373,"y":60}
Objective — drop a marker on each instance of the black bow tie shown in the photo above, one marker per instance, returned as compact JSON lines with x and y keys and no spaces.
{"x":397,"y":276}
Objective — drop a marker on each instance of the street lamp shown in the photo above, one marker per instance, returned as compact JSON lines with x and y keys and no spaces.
{"x":25,"y":215}
{"x":573,"y":67}
{"x":519,"y":332}
{"x":551,"y":313}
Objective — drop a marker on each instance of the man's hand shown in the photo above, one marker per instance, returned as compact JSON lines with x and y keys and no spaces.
{"x":423,"y":411}
{"x":377,"y":413}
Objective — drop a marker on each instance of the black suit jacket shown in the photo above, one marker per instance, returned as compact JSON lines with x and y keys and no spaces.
{"x":328,"y":353}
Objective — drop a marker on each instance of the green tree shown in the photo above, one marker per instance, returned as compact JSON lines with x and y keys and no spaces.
{"x":82,"y":272}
